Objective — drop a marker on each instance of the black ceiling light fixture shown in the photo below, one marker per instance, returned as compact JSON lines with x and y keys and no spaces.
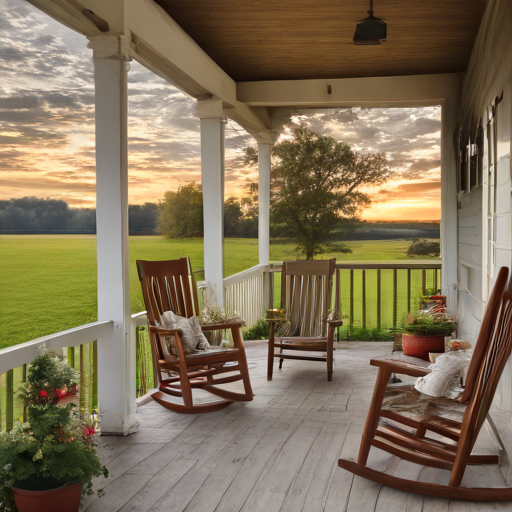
{"x":371,"y":30}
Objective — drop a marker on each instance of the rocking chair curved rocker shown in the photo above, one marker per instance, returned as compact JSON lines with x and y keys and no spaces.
{"x":459,"y":420}
{"x":170,"y":286}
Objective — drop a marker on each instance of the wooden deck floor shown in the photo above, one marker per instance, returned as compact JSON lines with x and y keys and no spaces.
{"x":277,"y":453}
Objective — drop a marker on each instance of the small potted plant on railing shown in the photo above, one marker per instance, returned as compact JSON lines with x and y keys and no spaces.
{"x":48,"y":463}
{"x":424,"y":332}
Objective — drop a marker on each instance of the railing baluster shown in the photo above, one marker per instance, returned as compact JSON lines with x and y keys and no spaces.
{"x":395,"y":296}
{"x":71,"y":356}
{"x":424,"y":282}
{"x":408,"y":290}
{"x":24,"y":379}
{"x":94,"y":377}
{"x":378,"y":299}
{"x":83,"y":389}
{"x":351,"y":298}
{"x":9,"y":400}
{"x":364,"y":299}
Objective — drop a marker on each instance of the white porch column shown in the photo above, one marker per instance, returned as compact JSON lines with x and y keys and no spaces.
{"x":116,"y":355}
{"x":213,"y":122}
{"x":264,"y":164}
{"x":449,"y":232}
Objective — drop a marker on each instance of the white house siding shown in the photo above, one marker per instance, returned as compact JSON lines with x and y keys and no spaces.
{"x":485,"y":214}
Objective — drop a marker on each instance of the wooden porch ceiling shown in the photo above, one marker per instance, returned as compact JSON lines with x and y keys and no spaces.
{"x":305,"y":39}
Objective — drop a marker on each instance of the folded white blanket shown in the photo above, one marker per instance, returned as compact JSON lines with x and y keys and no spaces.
{"x":444,"y":380}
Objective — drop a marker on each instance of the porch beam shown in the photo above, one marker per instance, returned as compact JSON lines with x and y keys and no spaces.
{"x":449,"y":213}
{"x":116,"y":352}
{"x":393,"y":91}
{"x":213,"y":122}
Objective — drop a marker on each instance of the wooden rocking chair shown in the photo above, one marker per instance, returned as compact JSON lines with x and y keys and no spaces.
{"x":306,"y":289}
{"x":170,"y":286}
{"x":399,"y":418}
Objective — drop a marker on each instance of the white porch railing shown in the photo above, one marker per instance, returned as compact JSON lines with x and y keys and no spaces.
{"x":14,"y":361}
{"x":24,"y":353}
{"x":245,"y":293}
{"x":373,"y":295}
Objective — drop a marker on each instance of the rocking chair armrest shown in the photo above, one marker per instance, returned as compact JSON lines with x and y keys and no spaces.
{"x":164,"y":332}
{"x":219,"y":327}
{"x":401,"y":367}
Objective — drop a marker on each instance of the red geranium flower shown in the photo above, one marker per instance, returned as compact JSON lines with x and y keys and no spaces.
{"x":43,"y":393}
{"x":89,"y":431}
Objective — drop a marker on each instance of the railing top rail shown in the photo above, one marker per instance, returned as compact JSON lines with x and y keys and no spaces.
{"x":23,"y":353}
{"x":250,"y":273}
{"x":394,"y":265}
{"x":276,"y":266}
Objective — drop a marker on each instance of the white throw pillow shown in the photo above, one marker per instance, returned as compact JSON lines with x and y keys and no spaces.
{"x":444,"y":380}
{"x":192,"y":337}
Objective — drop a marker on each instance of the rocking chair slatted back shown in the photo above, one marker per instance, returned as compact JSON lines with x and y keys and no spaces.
{"x":498,"y":351}
{"x":494,"y":362}
{"x":168,"y":286}
{"x":485,"y":334}
{"x":306,"y":289}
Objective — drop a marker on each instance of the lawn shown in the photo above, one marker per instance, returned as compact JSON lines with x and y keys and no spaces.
{"x":49,"y":281}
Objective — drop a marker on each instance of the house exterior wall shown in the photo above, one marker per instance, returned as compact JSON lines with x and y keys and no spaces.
{"x":485,"y":210}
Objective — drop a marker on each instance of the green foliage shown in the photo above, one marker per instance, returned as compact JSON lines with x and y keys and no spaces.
{"x":425,"y":323}
{"x":56,"y":447}
{"x":315,"y":188}
{"x":181,"y":212}
{"x":422,"y":247}
{"x":259,"y":331}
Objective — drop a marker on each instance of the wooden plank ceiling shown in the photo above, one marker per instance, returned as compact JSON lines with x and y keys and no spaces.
{"x":301,"y":39}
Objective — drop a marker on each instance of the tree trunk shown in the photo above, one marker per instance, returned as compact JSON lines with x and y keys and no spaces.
{"x":310,"y":253}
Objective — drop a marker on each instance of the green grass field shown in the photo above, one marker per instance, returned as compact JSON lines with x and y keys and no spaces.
{"x":48,"y":282}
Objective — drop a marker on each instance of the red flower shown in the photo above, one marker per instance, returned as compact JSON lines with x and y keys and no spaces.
{"x":59,"y":393}
{"x":89,"y":431}
{"x":43,"y":393}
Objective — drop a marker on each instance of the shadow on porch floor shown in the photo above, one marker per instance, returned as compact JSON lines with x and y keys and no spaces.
{"x":276,"y":453}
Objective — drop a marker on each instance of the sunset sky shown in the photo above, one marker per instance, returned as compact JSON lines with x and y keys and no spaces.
{"x":47,"y":129}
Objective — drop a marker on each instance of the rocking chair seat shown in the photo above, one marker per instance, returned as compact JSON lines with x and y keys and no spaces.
{"x":409,"y":402}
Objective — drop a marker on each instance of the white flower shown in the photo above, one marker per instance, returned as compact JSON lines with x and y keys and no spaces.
{"x":7,"y":467}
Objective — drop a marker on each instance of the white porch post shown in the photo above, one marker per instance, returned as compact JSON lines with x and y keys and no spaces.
{"x":116,"y":355}
{"x":264,"y":154}
{"x":213,"y":122}
{"x":449,"y":232}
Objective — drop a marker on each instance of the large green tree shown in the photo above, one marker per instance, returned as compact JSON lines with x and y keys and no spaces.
{"x":316,"y":195}
{"x":181,"y":212}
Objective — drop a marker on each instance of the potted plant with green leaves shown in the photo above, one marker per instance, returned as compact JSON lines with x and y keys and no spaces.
{"x":48,"y":463}
{"x":424,"y":332}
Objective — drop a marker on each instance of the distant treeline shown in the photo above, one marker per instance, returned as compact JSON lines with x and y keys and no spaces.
{"x":179,"y":215}
{"x":31,"y":215}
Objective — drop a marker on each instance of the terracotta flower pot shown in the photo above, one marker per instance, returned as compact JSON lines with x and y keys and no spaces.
{"x":420,"y":346}
{"x":62,"y":499}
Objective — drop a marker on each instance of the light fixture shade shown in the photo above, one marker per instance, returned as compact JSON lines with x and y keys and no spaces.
{"x":371,"y":30}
